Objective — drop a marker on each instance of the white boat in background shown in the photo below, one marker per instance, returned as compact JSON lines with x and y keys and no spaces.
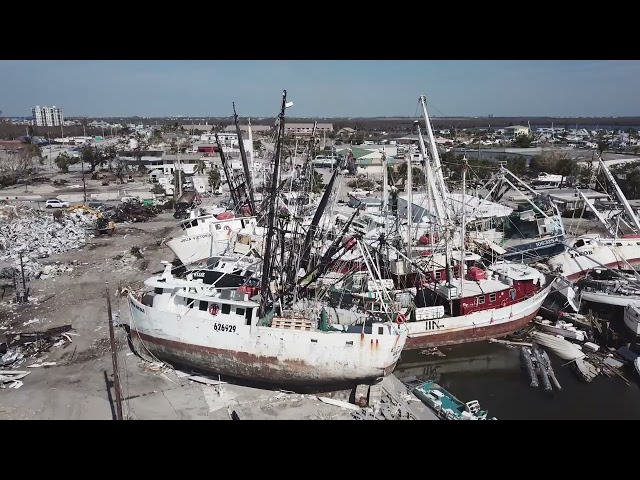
{"x":209,"y":236}
{"x":619,"y":292}
{"x":593,"y":252}
{"x":561,"y":328}
{"x":632,"y":318}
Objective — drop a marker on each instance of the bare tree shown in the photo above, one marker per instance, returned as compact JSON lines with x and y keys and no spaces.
{"x":15,"y":166}
{"x":121,"y":169}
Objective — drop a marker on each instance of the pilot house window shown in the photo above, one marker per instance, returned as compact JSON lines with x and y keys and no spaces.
{"x":480,"y":300}
{"x":492,"y":297}
{"x":226,"y":309}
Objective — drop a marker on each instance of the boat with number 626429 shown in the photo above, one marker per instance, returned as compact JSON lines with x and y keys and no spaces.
{"x":187,"y":322}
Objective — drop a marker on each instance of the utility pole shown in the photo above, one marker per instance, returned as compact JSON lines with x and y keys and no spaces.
{"x":114,"y":358}
{"x":84,"y":186}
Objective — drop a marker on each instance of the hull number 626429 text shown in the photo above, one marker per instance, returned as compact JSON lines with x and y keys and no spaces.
{"x":221,"y":327}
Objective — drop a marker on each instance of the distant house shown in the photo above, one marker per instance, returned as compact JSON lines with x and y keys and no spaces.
{"x":347,"y":131}
{"x":245,"y":128}
{"x":516,"y":131}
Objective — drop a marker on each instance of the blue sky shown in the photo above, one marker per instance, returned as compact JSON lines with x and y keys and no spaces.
{"x":322,"y":88}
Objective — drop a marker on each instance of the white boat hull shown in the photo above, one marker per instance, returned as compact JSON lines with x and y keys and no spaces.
{"x":266,"y":354}
{"x":561,"y":347}
{"x":475,"y":326}
{"x":575,"y":335}
{"x":195,"y":248}
{"x":574,"y":264}
{"x":610,"y":299}
{"x":632,"y":319}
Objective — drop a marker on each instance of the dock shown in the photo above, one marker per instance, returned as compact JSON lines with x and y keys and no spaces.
{"x":397,"y":392}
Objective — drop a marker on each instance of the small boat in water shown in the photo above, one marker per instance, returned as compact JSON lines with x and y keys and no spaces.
{"x":446,"y":405}
{"x":561,"y":328}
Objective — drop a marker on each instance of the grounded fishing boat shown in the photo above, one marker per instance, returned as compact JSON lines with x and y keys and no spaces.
{"x":220,"y":330}
{"x":474,"y":302}
{"x":480,"y":306}
{"x":264,"y":330}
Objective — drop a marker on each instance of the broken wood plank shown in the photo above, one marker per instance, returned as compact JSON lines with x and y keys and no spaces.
{"x":338,"y":403}
{"x":205,"y":380}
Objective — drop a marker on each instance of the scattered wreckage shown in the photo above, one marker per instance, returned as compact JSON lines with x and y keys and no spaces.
{"x":21,"y":346}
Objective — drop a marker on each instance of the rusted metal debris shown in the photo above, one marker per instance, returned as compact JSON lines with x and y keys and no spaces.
{"x":134,"y":213}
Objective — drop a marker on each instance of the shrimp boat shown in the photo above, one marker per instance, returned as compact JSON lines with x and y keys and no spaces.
{"x":256,"y":331}
{"x":458,"y":298}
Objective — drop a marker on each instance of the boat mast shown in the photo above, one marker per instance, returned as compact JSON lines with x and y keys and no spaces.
{"x":227,"y":174}
{"x":409,"y":205}
{"x":462,"y":226}
{"x":619,"y":194}
{"x":248,"y":180}
{"x":435,"y":156}
{"x":267,"y":266}
{"x":251,"y":152}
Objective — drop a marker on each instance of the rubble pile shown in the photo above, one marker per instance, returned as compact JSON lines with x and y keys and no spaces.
{"x":134,"y":213}
{"x":39,"y":233}
{"x":20,"y":347}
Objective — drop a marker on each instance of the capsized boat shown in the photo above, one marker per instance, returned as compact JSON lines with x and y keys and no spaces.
{"x":562,"y":348}
{"x":561,"y":328}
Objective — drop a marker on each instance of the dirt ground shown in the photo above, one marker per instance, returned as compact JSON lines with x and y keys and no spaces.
{"x":80,"y":384}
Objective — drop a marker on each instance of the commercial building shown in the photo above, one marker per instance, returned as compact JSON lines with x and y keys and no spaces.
{"x":47,"y":116}
{"x":306,"y":129}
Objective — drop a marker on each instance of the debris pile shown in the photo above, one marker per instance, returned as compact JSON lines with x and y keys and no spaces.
{"x":31,"y":345}
{"x":39,"y":233}
{"x":133,"y":212}
{"x":33,"y":269}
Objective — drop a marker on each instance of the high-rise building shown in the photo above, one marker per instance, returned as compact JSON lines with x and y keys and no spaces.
{"x":47,"y":116}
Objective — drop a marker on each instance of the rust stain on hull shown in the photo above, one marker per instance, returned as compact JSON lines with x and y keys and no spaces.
{"x":243,"y":365}
{"x":420,"y":341}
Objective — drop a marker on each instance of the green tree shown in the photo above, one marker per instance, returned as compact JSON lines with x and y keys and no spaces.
{"x":121,"y":169}
{"x":517,"y":165}
{"x":318,"y":182}
{"x":417,"y":176}
{"x":62,"y":161}
{"x":200,"y":167}
{"x":91,"y":157}
{"x":214,"y":178}
{"x":523,"y":141}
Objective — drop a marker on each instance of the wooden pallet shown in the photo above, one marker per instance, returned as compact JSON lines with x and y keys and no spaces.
{"x":292,"y":323}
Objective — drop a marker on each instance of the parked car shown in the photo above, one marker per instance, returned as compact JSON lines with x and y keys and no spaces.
{"x":55,"y":203}
{"x":359,"y":192}
{"x":98,"y":206}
